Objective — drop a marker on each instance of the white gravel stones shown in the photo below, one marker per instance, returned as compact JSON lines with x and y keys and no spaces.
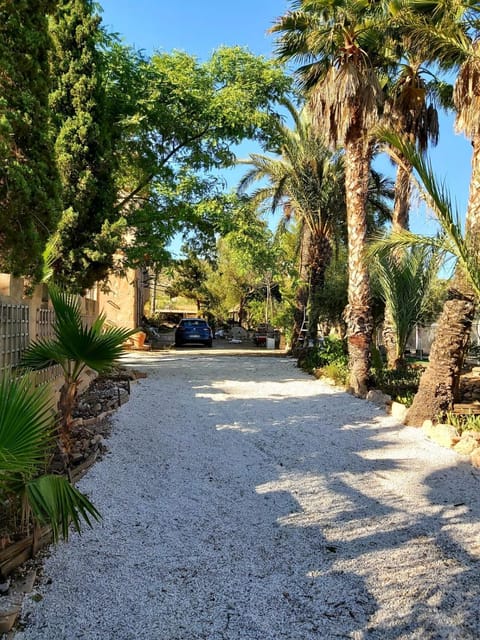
{"x":245,"y":500}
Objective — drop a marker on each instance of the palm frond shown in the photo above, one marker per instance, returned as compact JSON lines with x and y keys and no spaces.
{"x":41,"y":354}
{"x":438,"y":199}
{"x":54,"y":501}
{"x":93,"y":346}
{"x":403,"y":281}
{"x":26,"y":422}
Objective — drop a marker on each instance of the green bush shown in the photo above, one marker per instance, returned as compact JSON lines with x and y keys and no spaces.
{"x":331,"y":352}
{"x":401,"y":385}
{"x":336,"y":371}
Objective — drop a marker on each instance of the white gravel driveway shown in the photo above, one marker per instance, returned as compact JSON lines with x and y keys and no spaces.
{"x":245,"y":500}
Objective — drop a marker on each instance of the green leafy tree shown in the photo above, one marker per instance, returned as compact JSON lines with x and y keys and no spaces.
{"x":89,"y":231}
{"x":248,"y":267}
{"x":189,"y":277}
{"x":29,"y":186}
{"x":180,"y":119}
{"x":26,"y":434}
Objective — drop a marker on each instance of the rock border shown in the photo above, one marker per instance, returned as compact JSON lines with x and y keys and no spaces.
{"x":18,"y":553}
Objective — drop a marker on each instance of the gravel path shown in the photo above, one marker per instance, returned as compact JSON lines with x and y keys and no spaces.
{"x":244,"y":500}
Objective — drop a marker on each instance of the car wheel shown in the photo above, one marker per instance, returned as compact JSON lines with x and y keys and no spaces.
{"x":208,"y":344}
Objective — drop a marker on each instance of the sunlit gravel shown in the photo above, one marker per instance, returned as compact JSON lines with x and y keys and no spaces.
{"x":244,"y":500}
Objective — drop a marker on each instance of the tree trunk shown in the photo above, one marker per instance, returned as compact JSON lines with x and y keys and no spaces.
{"x":358,"y":313}
{"x":440,"y":381}
{"x":436,"y":392}
{"x":66,"y":405}
{"x":320,"y":256}
{"x":301,"y":298}
{"x":400,"y":220}
{"x":401,"y":205}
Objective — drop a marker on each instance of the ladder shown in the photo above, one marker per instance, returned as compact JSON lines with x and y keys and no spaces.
{"x":304,"y":328}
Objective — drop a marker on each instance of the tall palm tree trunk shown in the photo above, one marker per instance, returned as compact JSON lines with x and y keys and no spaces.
{"x":320,"y":257}
{"x":400,"y":220}
{"x":301,"y":297}
{"x":401,"y":205}
{"x":438,"y":385}
{"x":358,"y":313}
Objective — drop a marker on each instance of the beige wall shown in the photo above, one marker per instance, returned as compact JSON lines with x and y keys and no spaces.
{"x":124,"y":301}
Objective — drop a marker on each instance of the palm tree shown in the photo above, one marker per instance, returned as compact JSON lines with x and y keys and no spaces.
{"x":403,"y":280}
{"x":74,"y":347}
{"x":446,"y":33}
{"x":307,"y":180}
{"x":410,"y":111}
{"x":340,"y":46}
{"x":438,"y":384}
{"x":26,"y":420}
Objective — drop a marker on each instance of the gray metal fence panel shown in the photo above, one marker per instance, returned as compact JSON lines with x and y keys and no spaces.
{"x":14,"y":334}
{"x":44,"y":329}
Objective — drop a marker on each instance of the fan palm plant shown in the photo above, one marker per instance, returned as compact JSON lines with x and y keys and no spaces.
{"x":339,"y":44}
{"x":26,"y":420}
{"x":403,"y":280}
{"x":75,"y":347}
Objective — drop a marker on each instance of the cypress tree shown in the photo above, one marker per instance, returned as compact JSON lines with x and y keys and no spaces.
{"x":87,"y":234}
{"x":29,"y":187}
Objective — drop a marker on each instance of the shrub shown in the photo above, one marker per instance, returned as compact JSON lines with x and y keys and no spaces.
{"x":336,"y":371}
{"x":463,"y":422}
{"x":26,"y":442}
{"x":328,"y":359}
{"x":401,"y":385}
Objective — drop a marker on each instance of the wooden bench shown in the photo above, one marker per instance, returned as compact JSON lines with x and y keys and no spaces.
{"x":468,"y":409}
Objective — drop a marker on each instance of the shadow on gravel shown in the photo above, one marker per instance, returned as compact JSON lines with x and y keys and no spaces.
{"x":267,"y":517}
{"x":428,"y":586}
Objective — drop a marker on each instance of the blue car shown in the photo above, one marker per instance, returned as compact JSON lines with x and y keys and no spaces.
{"x":193,"y":331}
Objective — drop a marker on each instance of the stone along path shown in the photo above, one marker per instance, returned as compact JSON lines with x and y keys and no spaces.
{"x":244,"y":500}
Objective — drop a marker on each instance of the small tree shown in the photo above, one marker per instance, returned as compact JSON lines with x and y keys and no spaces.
{"x":74,"y":347}
{"x":26,"y":420}
{"x":404,"y":280}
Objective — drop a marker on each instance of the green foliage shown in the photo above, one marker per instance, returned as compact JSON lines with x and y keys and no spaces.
{"x":74,"y":347}
{"x":401,"y":385}
{"x":25,"y":427}
{"x":333,"y":298}
{"x":179,"y":119}
{"x":54,"y":501}
{"x":89,"y":231}
{"x":463,"y":422}
{"x":336,"y":371}
{"x":249,"y":268}
{"x":189,"y":278}
{"x":331,"y":352}
{"x":26,"y":439}
{"x":403,"y":280}
{"x":451,"y":239}
{"x":29,"y":184}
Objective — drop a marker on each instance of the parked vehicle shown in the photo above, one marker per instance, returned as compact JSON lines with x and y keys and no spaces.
{"x":193,"y":331}
{"x":264,"y":331}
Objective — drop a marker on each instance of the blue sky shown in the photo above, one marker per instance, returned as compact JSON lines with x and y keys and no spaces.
{"x":200,"y":26}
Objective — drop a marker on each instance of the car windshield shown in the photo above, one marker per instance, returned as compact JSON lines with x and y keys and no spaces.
{"x":194,"y":323}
